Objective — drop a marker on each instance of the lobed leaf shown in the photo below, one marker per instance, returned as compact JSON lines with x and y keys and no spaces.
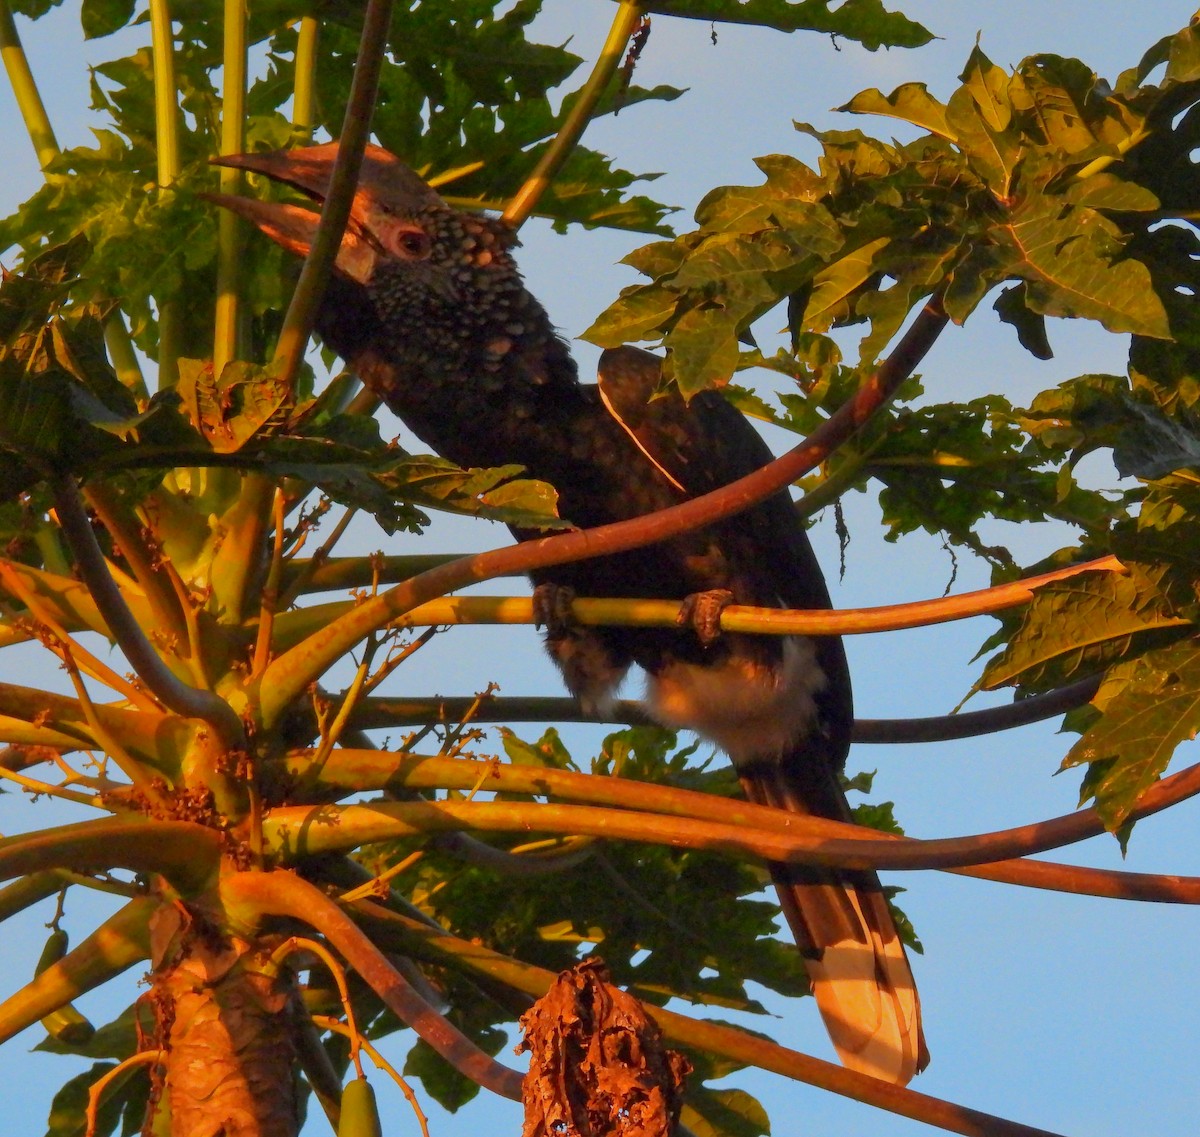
{"x":1149,"y":707}
{"x":1077,"y":626}
{"x":866,"y":21}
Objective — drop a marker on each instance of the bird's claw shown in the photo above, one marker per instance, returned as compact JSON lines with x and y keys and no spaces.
{"x":701,"y":611}
{"x":552,"y":608}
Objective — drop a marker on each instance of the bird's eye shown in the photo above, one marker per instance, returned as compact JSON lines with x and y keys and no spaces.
{"x":412,"y":243}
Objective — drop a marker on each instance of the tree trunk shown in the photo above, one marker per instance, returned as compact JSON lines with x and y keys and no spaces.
{"x":230,"y":1057}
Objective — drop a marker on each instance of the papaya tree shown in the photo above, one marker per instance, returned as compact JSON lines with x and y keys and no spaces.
{"x":301,"y":862}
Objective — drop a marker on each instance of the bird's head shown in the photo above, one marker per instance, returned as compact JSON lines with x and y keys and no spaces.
{"x":439,"y":282}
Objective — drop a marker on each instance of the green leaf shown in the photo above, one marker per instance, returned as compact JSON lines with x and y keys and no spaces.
{"x":1149,"y":707}
{"x":450,"y":1089}
{"x":1076,"y":626}
{"x":548,"y":751}
{"x":833,"y":285}
{"x":724,"y":1113}
{"x":1106,"y":191}
{"x":68,"y":1110}
{"x":911,"y":102}
{"x":1183,"y":59}
{"x":494,"y":493}
{"x":117,"y":1039}
{"x":866,"y":21}
{"x":704,"y":350}
{"x":1074,"y":267}
{"x":103,"y":17}
{"x":641,"y":311}
{"x":979,"y":115}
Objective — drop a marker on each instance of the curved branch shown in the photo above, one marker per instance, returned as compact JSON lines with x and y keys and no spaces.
{"x":1110,"y":884}
{"x":162,"y":600}
{"x":969,"y":724}
{"x":625,"y":22}
{"x":142,"y":733}
{"x":367,"y":770}
{"x":285,"y":894}
{"x":303,"y":831}
{"x":115,"y":946}
{"x":376,"y":712}
{"x":335,"y":210}
{"x":635,"y":612}
{"x":292,"y":672}
{"x":185,"y":853}
{"x":191,"y":702}
{"x":323,"y":574}
{"x":724,"y":1040}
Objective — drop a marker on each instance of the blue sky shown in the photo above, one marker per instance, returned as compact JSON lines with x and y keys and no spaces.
{"x":1075,"y":1014}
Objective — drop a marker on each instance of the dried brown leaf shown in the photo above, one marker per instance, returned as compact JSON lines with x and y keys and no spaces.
{"x":598,"y":1066}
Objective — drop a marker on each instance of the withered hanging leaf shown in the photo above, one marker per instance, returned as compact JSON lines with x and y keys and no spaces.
{"x":1012,"y":308}
{"x":598,"y":1066}
{"x":231,"y":408}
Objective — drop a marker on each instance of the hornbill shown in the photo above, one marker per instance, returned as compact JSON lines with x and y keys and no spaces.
{"x":427,"y":306}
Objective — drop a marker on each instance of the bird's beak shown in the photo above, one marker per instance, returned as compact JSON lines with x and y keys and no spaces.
{"x":384,"y":182}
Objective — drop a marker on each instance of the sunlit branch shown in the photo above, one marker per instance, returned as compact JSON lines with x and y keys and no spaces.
{"x":21,"y":736}
{"x":324,"y":573}
{"x":142,"y":732}
{"x":161,"y":598}
{"x":335,"y":210}
{"x":352,"y":771}
{"x":227,"y":324}
{"x":35,"y":786}
{"x":60,"y":642}
{"x":625,"y":22}
{"x":25,"y":91}
{"x":284,"y":894}
{"x":123,"y":357}
{"x":130,"y":637}
{"x":185,"y":853}
{"x":269,"y":597}
{"x":557,"y":856}
{"x":166,"y":131}
{"x":303,"y":91}
{"x":301,"y":831}
{"x":28,"y":891}
{"x":116,"y":945}
{"x":642,"y":613}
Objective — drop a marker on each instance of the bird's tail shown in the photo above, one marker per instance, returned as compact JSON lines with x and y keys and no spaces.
{"x":843,"y":927}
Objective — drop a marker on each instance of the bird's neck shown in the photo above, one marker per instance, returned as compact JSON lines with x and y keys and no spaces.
{"x":511,"y":405}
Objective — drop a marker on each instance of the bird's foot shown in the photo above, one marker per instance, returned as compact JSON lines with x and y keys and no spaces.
{"x":552,"y":609}
{"x":701,"y":611}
